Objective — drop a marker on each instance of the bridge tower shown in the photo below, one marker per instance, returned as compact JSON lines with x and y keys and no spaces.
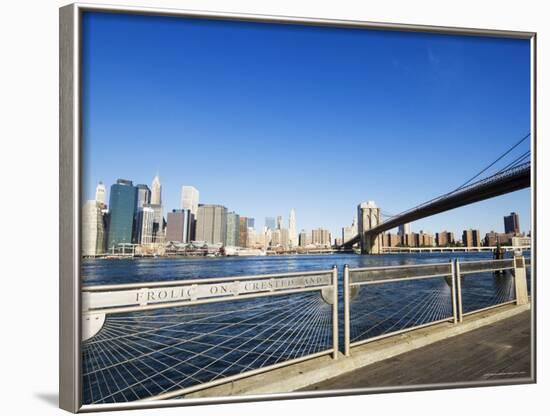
{"x":369,"y":216}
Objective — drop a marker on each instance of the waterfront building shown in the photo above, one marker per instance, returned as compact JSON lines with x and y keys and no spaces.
{"x":511,"y":224}
{"x":285,"y":238}
{"x":100,"y":192}
{"x":243,"y":231}
{"x":250,"y":237}
{"x":158,"y":223}
{"x":93,"y":229}
{"x":404,"y":229}
{"x":270,"y":223}
{"x":471,"y":238}
{"x":349,"y":232}
{"x":178,"y":225}
{"x":275,"y":238}
{"x":232,"y":237}
{"x":444,"y":238}
{"x":392,"y":240}
{"x":279,"y":222}
{"x":338,"y":241}
{"x":321,"y":237}
{"x":303,"y":238}
{"x":211,"y":224}
{"x":250,"y":222}
{"x":143,"y":195}
{"x":425,"y":239}
{"x":145,"y":225}
{"x":122,"y":205}
{"x":292,"y":235}
{"x":190,"y":199}
{"x":156,"y":191}
{"x":521,"y":241}
{"x":493,"y":239}
{"x":368,"y":217}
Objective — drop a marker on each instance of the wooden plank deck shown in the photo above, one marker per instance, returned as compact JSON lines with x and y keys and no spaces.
{"x":498,"y":351}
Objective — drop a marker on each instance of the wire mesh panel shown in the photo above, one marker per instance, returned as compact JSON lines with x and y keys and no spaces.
{"x":383,"y":301}
{"x":141,"y":355}
{"x":486,"y":284}
{"x":383,"y":309}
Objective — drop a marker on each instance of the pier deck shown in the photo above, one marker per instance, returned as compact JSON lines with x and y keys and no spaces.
{"x":497,"y":351}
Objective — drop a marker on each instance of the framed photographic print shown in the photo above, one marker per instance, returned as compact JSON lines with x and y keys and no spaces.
{"x":260,"y":207}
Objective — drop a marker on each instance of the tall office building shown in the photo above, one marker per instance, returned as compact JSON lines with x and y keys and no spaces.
{"x":511,"y":223}
{"x":232,"y":238}
{"x":93,"y":230}
{"x":404,"y":229}
{"x":276,"y":238}
{"x":303,"y":239}
{"x":145,"y":221}
{"x":471,"y":238}
{"x":349,"y":232}
{"x":158,"y":223}
{"x":178,"y":226}
{"x":143,"y":195}
{"x":100,"y":192}
{"x":321,"y":237}
{"x":156,"y":191}
{"x":122,"y":206}
{"x":250,"y":222}
{"x":270,"y":223}
{"x":292,"y":235}
{"x":243,"y":231}
{"x":279,"y":222}
{"x":211,"y":224}
{"x":190,"y":199}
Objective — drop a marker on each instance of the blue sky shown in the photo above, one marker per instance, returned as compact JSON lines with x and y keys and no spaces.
{"x":263,"y":118}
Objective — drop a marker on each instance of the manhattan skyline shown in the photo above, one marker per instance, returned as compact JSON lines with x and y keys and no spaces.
{"x":272,"y":117}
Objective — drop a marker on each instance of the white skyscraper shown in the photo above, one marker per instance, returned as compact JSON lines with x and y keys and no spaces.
{"x":93,"y":232}
{"x":292,"y":235}
{"x":156,"y":191}
{"x":190,"y":199}
{"x":100,"y":193}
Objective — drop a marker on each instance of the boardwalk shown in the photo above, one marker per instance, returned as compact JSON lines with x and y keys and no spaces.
{"x":498,"y":351}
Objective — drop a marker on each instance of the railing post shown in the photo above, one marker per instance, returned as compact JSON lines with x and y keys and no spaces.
{"x":458,"y":290}
{"x":335,"y":312}
{"x":346,"y":311}
{"x":453,"y":290}
{"x":520,"y":280}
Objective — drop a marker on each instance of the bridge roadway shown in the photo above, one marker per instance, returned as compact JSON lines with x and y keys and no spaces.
{"x":501,"y":183}
{"x":495,"y":352}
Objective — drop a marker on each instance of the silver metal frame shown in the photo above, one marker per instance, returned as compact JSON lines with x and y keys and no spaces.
{"x":70,"y":192}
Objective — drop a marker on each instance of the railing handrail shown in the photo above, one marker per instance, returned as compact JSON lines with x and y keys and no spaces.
{"x":486,"y":261}
{"x":169,"y":283}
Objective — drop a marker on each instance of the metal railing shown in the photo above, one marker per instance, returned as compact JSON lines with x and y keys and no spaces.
{"x":152,"y":341}
{"x":384,"y":301}
{"x":387,"y":300}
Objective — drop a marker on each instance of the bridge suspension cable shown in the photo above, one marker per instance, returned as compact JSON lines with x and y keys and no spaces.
{"x":516,"y":162}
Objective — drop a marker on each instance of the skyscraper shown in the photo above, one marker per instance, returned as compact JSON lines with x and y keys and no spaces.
{"x":122,"y":206}
{"x":279,"y":222}
{"x":321,"y":237}
{"x":190,"y":199}
{"x":232,"y":238}
{"x":100,"y":193}
{"x":292,"y":235}
{"x":143,"y":195}
{"x":270,"y":223}
{"x":243,"y":231}
{"x":250,"y":222}
{"x":145,"y":225}
{"x":511,"y":223}
{"x":156,"y":191}
{"x":211,"y":224}
{"x":93,"y":231}
{"x":178,"y":227}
